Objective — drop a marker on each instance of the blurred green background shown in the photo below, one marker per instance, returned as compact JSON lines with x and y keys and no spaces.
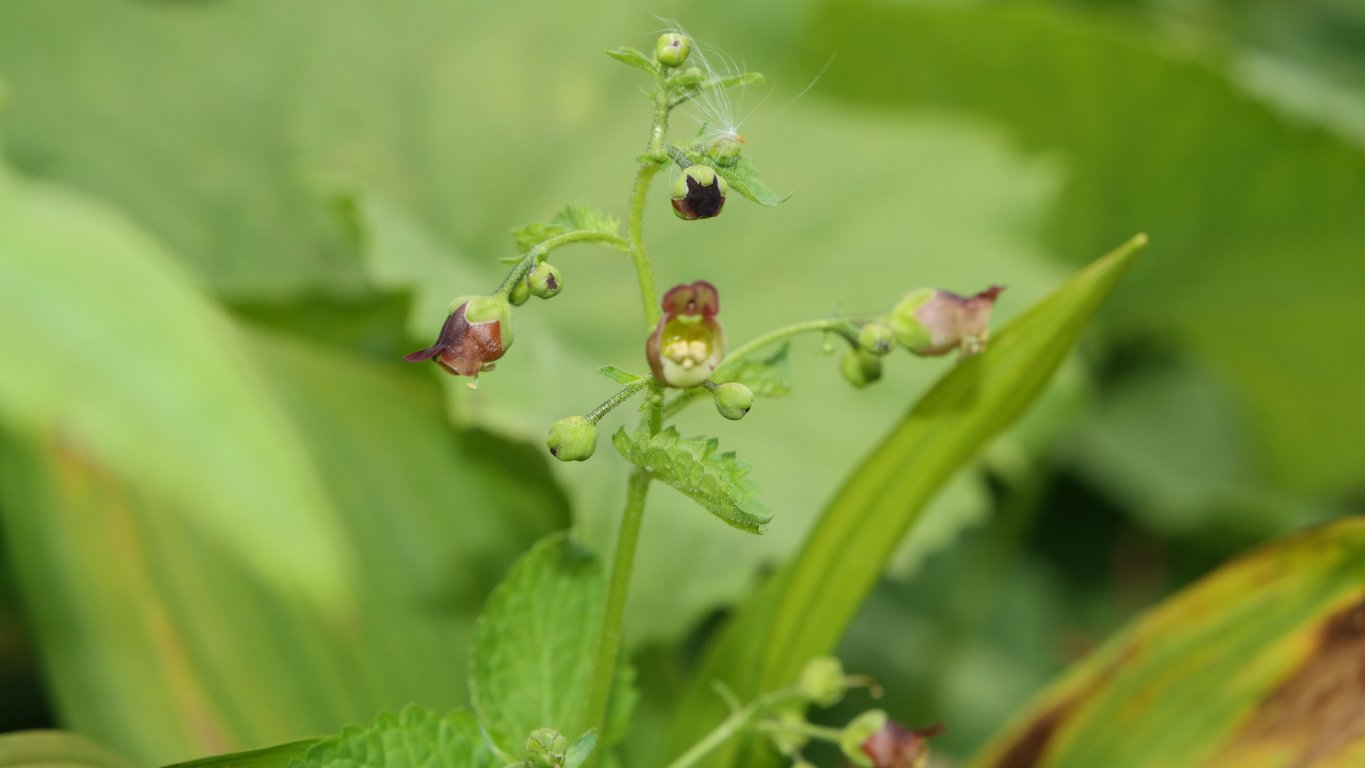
{"x":231,"y":516}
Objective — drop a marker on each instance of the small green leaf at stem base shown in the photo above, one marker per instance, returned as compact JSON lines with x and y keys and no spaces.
{"x":633,"y":58}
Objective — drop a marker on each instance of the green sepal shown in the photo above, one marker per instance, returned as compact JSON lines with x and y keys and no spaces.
{"x":716,"y":481}
{"x":580,"y":749}
{"x":767,"y":376}
{"x":619,"y":375}
{"x":633,"y":58}
{"x":571,"y":219}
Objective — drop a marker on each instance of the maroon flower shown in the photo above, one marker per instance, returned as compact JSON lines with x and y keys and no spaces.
{"x":476,"y":333}
{"x":933,"y":322}
{"x":688,"y":342}
{"x":895,"y":746}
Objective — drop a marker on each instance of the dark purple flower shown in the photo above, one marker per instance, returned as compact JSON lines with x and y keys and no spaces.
{"x":474,"y":335}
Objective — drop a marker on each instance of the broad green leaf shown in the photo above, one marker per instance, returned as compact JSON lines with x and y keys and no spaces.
{"x":278,"y":756}
{"x":717,"y":481}
{"x":126,"y":358}
{"x":633,"y":58}
{"x":160,"y":641}
{"x":1259,"y":264}
{"x":767,"y":376}
{"x":533,"y":646}
{"x":414,"y":738}
{"x":803,"y":610}
{"x":1257,"y":665}
{"x":55,"y":749}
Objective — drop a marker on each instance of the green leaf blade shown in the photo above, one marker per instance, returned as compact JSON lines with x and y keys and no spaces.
{"x":718,"y":482}
{"x":743,"y":178}
{"x":55,"y":749}
{"x":803,"y":611}
{"x":1257,"y":655}
{"x":766,"y":376}
{"x":413,"y":738}
{"x":633,"y":58}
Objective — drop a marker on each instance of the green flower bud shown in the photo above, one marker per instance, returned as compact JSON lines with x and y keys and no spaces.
{"x":699,"y":193}
{"x":861,"y":368}
{"x":733,"y":400}
{"x":672,"y":49}
{"x":855,"y":733}
{"x":877,"y":338}
{"x":789,"y":737}
{"x":545,"y":748}
{"x":822,"y":681}
{"x":545,"y":281}
{"x":725,"y":150}
{"x":910,"y":331}
{"x":520,"y":293}
{"x":572,"y":439}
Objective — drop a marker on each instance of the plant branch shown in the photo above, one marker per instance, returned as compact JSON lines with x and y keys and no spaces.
{"x":542,"y":249}
{"x":733,"y":724}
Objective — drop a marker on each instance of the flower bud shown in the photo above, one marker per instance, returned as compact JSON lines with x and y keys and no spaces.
{"x":545,"y":748}
{"x":895,"y":746}
{"x":520,"y":293}
{"x":671,"y":49}
{"x":572,"y":439}
{"x":699,"y":193}
{"x":688,"y":342}
{"x":856,"y":732}
{"x":476,"y":333}
{"x":877,"y":338}
{"x":861,"y":368}
{"x":822,"y":681}
{"x":789,"y":737}
{"x":931,"y":322}
{"x":725,"y":150}
{"x":733,"y":400}
{"x":544,"y":281}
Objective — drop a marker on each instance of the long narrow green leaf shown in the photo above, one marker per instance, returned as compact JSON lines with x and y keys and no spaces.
{"x":803,"y":611}
{"x":1260,"y":665}
{"x":55,"y":749}
{"x":270,"y":757}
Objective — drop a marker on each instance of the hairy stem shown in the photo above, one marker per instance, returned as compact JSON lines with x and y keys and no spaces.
{"x":625,"y":394}
{"x":542,"y":249}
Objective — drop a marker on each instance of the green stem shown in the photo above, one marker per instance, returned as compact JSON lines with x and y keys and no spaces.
{"x":625,"y":394}
{"x":542,"y":249}
{"x":733,"y":724}
{"x":609,"y":639}
{"x":843,"y":326}
{"x":644,"y":273}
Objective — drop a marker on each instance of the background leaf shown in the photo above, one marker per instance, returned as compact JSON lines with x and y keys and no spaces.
{"x":1261,"y":656}
{"x":414,"y":738}
{"x":55,"y":749}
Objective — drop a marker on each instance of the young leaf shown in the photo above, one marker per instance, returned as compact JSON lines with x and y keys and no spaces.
{"x":533,"y":646}
{"x":633,"y":58}
{"x":580,"y":749}
{"x":718,"y":482}
{"x":743,"y":177}
{"x":55,"y":749}
{"x":413,"y":737}
{"x":618,"y":375}
{"x":767,"y":376}
{"x":1259,"y":664}
{"x":571,"y":218}
{"x":803,"y":611}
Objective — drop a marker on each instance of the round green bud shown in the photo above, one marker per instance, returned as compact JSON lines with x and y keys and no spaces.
{"x":699,"y":193}
{"x":545,"y":281}
{"x":725,"y":150}
{"x":671,"y":49}
{"x":572,"y":439}
{"x":790,"y":734}
{"x":822,"y":681}
{"x":877,"y":338}
{"x":855,"y":733}
{"x":910,"y":330}
{"x":733,"y":400}
{"x":545,"y":748}
{"x":861,"y":368}
{"x":520,"y":293}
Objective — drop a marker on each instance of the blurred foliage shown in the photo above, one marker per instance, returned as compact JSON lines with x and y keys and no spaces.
{"x":221,"y":494}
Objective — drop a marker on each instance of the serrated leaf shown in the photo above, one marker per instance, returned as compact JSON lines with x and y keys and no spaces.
{"x":804,"y":610}
{"x":717,"y":481}
{"x":413,"y":738}
{"x":767,"y":376}
{"x":618,"y":375}
{"x":1257,"y":665}
{"x":571,"y":218}
{"x":534,"y":643}
{"x":278,"y":756}
{"x":743,"y":177}
{"x":633,"y":58}
{"x":55,"y":749}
